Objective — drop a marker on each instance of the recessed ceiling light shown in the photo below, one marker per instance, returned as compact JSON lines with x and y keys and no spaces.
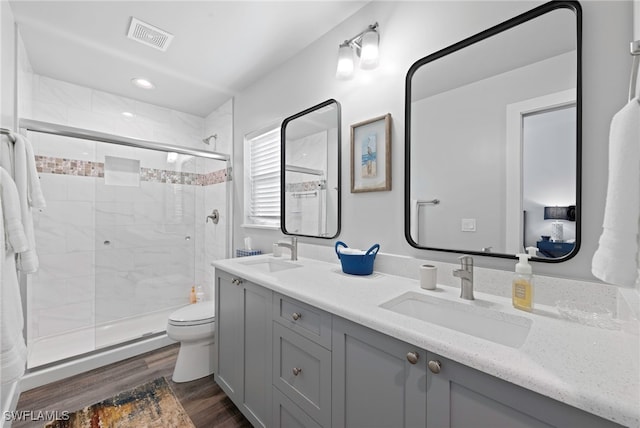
{"x":142,"y":83}
{"x":127,"y":114}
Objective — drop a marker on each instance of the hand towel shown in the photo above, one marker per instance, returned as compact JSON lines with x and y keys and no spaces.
{"x":16,"y":240}
{"x":36,"y":198}
{"x":616,"y":259}
{"x":26,"y":180}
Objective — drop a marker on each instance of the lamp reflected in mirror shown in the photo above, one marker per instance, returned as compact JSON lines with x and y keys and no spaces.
{"x":559,"y":213}
{"x":554,"y":244}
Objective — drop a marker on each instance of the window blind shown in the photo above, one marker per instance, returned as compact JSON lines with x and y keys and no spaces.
{"x":264,"y":178}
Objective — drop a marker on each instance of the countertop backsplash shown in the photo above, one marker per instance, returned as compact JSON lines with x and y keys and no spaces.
{"x":547,"y":290}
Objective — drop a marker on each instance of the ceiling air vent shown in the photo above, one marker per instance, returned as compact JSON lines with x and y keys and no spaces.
{"x":149,"y":35}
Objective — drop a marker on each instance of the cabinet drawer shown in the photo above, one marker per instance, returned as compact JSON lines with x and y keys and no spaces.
{"x":312,"y":323}
{"x":287,"y":415}
{"x":302,"y":371}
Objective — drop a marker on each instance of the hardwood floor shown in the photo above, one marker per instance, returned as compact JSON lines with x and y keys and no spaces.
{"x":206,"y":404}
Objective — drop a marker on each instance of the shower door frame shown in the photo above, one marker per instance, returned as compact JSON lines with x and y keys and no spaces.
{"x":32,"y":125}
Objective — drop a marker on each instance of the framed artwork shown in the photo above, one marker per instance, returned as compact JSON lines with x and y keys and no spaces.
{"x":371,"y":155}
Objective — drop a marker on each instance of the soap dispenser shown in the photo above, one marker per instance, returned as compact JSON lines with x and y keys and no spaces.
{"x":522,"y":296}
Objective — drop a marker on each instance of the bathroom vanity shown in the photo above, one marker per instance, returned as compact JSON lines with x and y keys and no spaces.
{"x":303,"y":344}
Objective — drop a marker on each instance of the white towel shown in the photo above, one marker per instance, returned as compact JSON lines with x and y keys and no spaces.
{"x":616,"y":259}
{"x":6,"y":153}
{"x":36,"y":198}
{"x":13,"y":351}
{"x":15,"y":238}
{"x":28,"y":184}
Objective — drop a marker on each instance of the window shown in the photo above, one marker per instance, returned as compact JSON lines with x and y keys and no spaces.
{"x":262,"y":181}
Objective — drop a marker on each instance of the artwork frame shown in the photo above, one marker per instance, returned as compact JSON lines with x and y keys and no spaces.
{"x":371,"y":155}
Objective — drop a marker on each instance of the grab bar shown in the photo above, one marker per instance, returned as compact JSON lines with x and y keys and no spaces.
{"x":635,"y":52}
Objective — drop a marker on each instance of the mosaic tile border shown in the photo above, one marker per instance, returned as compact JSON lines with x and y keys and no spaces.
{"x":75,"y":167}
{"x":305,"y":186}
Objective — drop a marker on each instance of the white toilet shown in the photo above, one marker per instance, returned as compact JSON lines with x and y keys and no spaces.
{"x":194,"y":327}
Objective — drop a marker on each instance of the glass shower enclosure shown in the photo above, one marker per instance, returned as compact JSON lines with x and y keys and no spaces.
{"x":126,"y":234}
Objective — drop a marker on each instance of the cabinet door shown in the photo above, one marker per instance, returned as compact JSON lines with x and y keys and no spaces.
{"x":287,"y":415}
{"x":460,"y":396}
{"x":374,"y":383}
{"x":229,"y":341}
{"x":243,"y":346}
{"x":257,"y":353}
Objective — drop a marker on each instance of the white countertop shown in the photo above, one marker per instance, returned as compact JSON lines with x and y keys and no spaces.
{"x":593,"y":369}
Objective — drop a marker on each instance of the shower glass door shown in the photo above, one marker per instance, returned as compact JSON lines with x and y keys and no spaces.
{"x":145,"y":246}
{"x":121,"y":242}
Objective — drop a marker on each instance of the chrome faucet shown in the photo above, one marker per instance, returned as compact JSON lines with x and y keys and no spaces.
{"x":293,"y":247}
{"x":465,"y":273}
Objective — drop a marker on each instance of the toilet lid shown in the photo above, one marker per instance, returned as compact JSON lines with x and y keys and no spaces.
{"x":198,"y":312}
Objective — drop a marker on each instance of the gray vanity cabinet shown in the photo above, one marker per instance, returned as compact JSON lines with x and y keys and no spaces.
{"x":243,"y":356}
{"x":377,"y":381}
{"x":460,"y":396}
{"x":287,"y":364}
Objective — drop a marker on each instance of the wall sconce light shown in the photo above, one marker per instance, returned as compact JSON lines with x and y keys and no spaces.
{"x":365,"y":45}
{"x":556,"y":214}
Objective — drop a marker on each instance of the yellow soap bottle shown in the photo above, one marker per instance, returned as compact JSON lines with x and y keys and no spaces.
{"x":192,"y":295}
{"x":522,"y":296}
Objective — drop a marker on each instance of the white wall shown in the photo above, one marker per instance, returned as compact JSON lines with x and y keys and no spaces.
{"x":636,"y":19}
{"x":409,"y":31}
{"x":7,"y":66}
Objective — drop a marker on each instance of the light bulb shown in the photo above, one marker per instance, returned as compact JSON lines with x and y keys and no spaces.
{"x":369,"y":53}
{"x":345,"y":62}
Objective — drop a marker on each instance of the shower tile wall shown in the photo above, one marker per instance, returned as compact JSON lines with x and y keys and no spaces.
{"x":147,"y":226}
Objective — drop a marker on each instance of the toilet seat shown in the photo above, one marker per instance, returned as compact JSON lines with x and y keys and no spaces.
{"x":195,"y":314}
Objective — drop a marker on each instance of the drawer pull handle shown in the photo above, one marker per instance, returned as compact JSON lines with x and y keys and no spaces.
{"x":296,"y":316}
{"x":412,"y":357}
{"x":435,"y":366}
{"x":236,"y":281}
{"x":296,"y":371}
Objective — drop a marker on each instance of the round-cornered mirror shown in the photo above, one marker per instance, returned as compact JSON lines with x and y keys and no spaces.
{"x":492,"y":140}
{"x":310,"y":173}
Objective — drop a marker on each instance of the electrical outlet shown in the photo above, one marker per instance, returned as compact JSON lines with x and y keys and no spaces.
{"x":468,"y":225}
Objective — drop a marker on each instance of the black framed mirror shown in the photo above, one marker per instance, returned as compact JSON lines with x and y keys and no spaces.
{"x":310,"y":183}
{"x":493,"y":140}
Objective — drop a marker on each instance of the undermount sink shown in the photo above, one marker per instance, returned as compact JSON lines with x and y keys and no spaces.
{"x":270,"y":265}
{"x":469,"y":318}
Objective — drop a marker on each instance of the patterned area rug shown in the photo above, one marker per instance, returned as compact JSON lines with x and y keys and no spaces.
{"x":150,"y":405}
